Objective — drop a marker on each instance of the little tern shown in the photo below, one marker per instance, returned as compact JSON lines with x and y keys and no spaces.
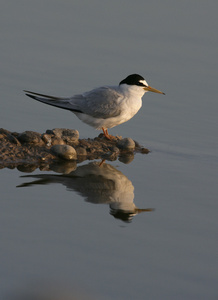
{"x":106,"y":106}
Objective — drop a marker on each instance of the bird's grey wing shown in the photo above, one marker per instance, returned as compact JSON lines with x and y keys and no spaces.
{"x":64,"y":103}
{"x":101,"y":103}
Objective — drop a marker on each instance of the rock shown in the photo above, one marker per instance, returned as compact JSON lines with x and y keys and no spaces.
{"x":4,"y":131}
{"x":126,"y":144}
{"x":81,"y":151}
{"x":47,"y":139}
{"x":49,"y":131}
{"x":13,"y":139}
{"x":30,"y":137}
{"x":70,"y":134}
{"x":114,"y":149}
{"x":58,"y":141}
{"x":64,"y":151}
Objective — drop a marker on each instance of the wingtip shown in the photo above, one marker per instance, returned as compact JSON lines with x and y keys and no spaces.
{"x":31,"y":96}
{"x":27,"y":93}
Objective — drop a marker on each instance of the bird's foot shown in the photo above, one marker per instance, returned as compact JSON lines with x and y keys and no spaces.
{"x":107,"y":135}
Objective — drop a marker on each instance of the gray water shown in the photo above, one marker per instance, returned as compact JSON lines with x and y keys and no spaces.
{"x":57,"y":230}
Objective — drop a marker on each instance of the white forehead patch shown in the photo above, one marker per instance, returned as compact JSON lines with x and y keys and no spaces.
{"x":144,"y":82}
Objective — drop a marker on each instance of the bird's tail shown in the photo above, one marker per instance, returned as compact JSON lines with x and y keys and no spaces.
{"x":35,"y":96}
{"x":60,"y":102}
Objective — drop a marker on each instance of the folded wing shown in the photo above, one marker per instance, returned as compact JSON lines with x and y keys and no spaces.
{"x":104,"y":102}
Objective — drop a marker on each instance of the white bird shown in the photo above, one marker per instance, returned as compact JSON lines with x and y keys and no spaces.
{"x":106,"y":106}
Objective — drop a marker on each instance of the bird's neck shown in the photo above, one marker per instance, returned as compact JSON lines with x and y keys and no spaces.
{"x":133,"y":91}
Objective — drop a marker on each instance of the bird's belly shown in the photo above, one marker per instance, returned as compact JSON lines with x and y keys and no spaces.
{"x":128,"y":110}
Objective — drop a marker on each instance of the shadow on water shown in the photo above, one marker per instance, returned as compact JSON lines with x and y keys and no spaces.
{"x":97,"y":183}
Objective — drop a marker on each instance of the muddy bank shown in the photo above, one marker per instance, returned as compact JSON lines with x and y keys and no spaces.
{"x":58,"y":145}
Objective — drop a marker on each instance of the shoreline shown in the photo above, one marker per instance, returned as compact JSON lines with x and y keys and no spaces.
{"x":61,"y":145}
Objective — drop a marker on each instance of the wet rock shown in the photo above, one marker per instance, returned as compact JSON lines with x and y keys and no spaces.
{"x":30,"y":137}
{"x":71,"y":132}
{"x":114,"y":149}
{"x":56,"y":131}
{"x":64,"y":151}
{"x":34,"y":148}
{"x":81,"y":151}
{"x":126,"y":144}
{"x":13,"y":139}
{"x":71,"y":135}
{"x":49,"y":131}
{"x":47,"y":139}
{"x":4,"y":131}
{"x":58,"y":141}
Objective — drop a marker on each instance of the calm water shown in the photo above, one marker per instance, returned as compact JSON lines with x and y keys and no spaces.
{"x":71,"y":229}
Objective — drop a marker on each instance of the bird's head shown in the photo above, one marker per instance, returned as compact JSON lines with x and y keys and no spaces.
{"x":137,"y":80}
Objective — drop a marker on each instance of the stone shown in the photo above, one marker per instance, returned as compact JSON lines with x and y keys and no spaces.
{"x":47,"y":139}
{"x":58,"y":141}
{"x":13,"y":139}
{"x":126,"y":144}
{"x":81,"y":151}
{"x":71,"y":132}
{"x":4,"y":131}
{"x":30,"y":137}
{"x":63,"y":132}
{"x":65,"y":152}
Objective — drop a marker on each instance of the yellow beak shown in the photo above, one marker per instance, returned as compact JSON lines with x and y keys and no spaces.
{"x":150,"y":89}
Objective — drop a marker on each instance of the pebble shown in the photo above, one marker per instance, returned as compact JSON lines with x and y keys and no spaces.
{"x":30,"y":137}
{"x":30,"y":146}
{"x":70,"y":135}
{"x":47,"y":139}
{"x":13,"y":139}
{"x":126,"y":144}
{"x":58,"y":141}
{"x":64,"y":151}
{"x":81,"y":151}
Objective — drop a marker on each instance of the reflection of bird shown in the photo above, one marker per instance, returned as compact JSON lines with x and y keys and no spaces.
{"x":104,"y":107}
{"x":96,"y":184}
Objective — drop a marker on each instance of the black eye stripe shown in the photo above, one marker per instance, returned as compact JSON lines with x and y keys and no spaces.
{"x":140,"y":84}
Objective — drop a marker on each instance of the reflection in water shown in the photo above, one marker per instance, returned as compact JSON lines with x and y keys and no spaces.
{"x":97,"y":184}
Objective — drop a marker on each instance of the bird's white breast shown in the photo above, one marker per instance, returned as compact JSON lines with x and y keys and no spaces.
{"x":128,"y":103}
{"x":132,"y":101}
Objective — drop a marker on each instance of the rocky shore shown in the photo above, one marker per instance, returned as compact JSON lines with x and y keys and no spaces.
{"x":62,"y":145}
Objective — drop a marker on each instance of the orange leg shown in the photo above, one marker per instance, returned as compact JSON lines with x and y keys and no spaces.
{"x":106,"y":134}
{"x":101,"y":163}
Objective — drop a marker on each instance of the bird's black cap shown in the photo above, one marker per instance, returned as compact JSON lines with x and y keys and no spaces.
{"x":133,"y":79}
